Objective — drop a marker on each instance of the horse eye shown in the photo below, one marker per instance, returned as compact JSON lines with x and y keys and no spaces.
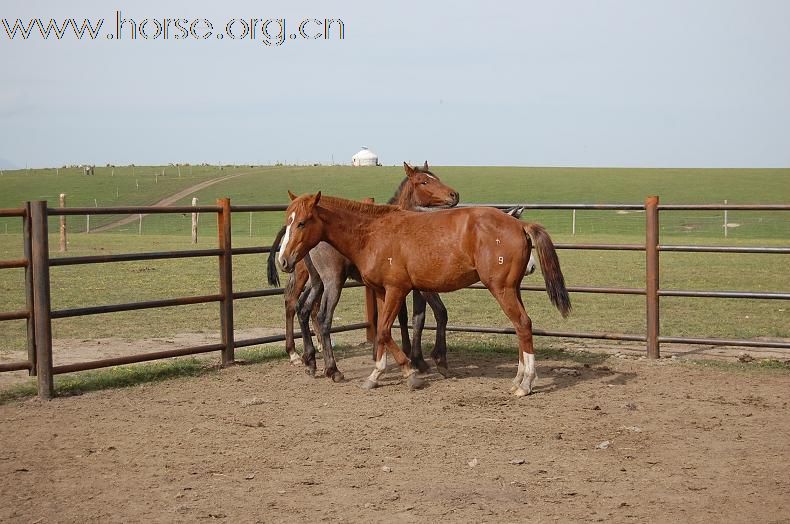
{"x":425,"y":183}
{"x":300,"y":225}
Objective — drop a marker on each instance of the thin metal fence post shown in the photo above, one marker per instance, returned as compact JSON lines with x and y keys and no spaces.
{"x":652,"y":276}
{"x":226,"y":281}
{"x":29,"y":300}
{"x":41,"y":299}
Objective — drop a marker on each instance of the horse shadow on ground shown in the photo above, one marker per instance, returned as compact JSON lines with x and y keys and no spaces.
{"x":556,"y":370}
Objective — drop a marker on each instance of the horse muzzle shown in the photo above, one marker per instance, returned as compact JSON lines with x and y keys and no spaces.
{"x":287,"y":263}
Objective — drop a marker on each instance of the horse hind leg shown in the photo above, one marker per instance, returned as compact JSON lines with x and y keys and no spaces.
{"x":439,"y":353}
{"x":510,"y":301}
{"x":418,"y":323}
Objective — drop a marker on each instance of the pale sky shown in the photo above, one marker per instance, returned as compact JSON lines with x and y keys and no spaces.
{"x":666,"y":83}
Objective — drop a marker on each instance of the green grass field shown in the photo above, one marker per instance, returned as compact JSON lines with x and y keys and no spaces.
{"x":128,"y":282}
{"x":268,"y":185}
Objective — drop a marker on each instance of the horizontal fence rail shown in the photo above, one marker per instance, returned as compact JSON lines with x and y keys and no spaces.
{"x":39,"y":313}
{"x":38,"y":262}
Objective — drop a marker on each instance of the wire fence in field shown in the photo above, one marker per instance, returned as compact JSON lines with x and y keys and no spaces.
{"x":706,"y":224}
{"x":734,"y":225}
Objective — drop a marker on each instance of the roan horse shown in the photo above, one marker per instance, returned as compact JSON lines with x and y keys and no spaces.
{"x":396,"y":251}
{"x":327,"y":271}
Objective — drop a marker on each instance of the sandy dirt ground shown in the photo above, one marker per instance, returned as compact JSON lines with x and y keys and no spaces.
{"x":620,"y":439}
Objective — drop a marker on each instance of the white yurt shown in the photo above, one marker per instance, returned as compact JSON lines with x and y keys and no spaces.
{"x":365,"y":157}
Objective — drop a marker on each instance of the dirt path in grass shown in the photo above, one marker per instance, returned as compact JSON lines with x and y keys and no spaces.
{"x":169,"y":200}
{"x":615,"y":440}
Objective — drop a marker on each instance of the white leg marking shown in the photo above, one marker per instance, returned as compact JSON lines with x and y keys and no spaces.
{"x":519,"y":376}
{"x":295,"y":358}
{"x":529,"y":376}
{"x":381,"y":366}
{"x":286,"y":238}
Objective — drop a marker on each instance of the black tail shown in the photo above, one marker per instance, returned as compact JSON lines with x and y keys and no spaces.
{"x":271,"y":264}
{"x":550,"y":267}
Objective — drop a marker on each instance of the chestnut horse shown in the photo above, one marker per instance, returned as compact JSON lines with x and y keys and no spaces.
{"x":396,"y":251}
{"x":323,"y":272}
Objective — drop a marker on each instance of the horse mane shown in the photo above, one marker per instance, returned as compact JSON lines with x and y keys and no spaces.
{"x":405,"y":190}
{"x":404,"y":186}
{"x":355,"y":206}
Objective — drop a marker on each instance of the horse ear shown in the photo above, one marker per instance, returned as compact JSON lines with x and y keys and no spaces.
{"x":316,"y":198}
{"x":406,"y":167}
{"x":425,"y":166}
{"x":291,"y":196}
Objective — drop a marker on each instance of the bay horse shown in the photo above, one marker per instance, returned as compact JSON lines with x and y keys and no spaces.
{"x":397,"y":251}
{"x":322,"y":273}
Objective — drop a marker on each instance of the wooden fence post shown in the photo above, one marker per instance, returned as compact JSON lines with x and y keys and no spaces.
{"x":41,"y":299}
{"x":226,"y":281}
{"x":194,"y":222}
{"x":652,"y":276}
{"x":63,"y":241}
{"x":27,"y":231}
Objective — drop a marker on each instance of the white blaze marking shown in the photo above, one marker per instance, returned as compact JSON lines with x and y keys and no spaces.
{"x":286,"y":237}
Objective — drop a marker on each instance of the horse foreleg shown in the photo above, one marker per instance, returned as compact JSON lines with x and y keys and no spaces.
{"x":418,"y":323}
{"x":303,"y":312}
{"x":296,"y":283}
{"x":319,"y":343}
{"x":509,"y":300}
{"x":403,"y":320}
{"x":325,"y":313}
{"x":388,"y":304}
{"x":439,"y":353}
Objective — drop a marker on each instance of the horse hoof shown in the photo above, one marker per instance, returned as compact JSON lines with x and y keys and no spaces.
{"x":521,"y":392}
{"x":368,"y":384}
{"x":310,"y":372}
{"x":295,"y":360}
{"x":337,"y":376}
{"x":415,"y":382}
{"x":443,"y":370}
{"x":421,"y":366}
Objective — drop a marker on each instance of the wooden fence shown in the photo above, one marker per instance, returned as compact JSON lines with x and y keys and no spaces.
{"x":39,"y":312}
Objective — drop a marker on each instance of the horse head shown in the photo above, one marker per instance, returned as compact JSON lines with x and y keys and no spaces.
{"x":303,"y":229}
{"x":428,"y":190}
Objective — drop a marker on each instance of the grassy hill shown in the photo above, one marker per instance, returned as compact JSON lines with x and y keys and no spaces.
{"x":145,"y":185}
